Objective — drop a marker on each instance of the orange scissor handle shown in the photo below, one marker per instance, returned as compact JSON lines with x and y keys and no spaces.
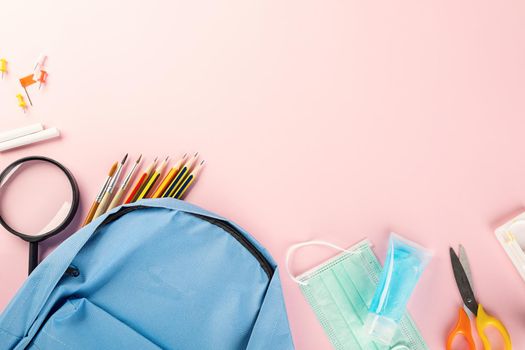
{"x":462,"y":327}
{"x":483,"y":321}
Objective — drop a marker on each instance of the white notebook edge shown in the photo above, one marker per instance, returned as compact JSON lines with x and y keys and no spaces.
{"x":507,"y":240}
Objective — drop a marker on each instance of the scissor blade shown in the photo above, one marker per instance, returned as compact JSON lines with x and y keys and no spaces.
{"x":463,"y":258}
{"x":465,"y":289}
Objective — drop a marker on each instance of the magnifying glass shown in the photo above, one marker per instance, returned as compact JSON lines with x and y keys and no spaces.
{"x":39,"y":198}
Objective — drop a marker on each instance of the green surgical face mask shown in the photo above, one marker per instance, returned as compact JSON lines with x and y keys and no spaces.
{"x":340,"y":292}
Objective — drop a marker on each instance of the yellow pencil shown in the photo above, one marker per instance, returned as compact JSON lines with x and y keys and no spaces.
{"x":169,"y":177}
{"x":181,"y":176}
{"x":189,"y":181}
{"x":153,"y":178}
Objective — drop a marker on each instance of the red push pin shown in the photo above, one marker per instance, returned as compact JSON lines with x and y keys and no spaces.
{"x":41,"y":77}
{"x":40,"y":74}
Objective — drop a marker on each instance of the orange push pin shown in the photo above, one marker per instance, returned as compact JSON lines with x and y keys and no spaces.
{"x":3,"y":66}
{"x":21,"y":102}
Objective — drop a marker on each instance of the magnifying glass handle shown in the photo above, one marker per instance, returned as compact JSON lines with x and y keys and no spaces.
{"x":33,"y":256}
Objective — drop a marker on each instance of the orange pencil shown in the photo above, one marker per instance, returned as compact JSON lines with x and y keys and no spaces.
{"x":140,"y":182}
{"x":169,"y":177}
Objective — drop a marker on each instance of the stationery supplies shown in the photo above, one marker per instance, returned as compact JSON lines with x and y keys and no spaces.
{"x":96,"y":202}
{"x":511,"y":236}
{"x":39,"y":74}
{"x":39,"y":136}
{"x":41,"y":77}
{"x":56,"y":202}
{"x":188,"y":182}
{"x":25,"y":82}
{"x":106,"y":198}
{"x":152,"y":179}
{"x":181,"y":176}
{"x":141,"y":181}
{"x":18,"y":132}
{"x":404,"y":265}
{"x":339,"y":292}
{"x":463,"y":277}
{"x":144,"y":186}
{"x":159,"y":274}
{"x":40,"y":62}
{"x":3,"y":67}
{"x":124,"y":186}
{"x":169,"y":177}
{"x":21,"y":103}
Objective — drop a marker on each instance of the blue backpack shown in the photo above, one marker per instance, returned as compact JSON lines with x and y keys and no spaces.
{"x":157,"y":274}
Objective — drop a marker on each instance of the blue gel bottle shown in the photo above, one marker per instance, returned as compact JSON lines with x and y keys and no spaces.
{"x":404,"y":264}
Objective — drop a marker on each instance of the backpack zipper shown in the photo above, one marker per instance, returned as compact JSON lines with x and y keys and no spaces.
{"x":121,"y":212}
{"x":227,"y":227}
{"x":265,"y":265}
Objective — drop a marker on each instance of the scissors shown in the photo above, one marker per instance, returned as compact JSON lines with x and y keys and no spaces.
{"x":462,"y":274}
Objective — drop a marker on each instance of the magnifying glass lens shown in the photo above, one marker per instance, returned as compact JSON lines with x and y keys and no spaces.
{"x":35,"y":197}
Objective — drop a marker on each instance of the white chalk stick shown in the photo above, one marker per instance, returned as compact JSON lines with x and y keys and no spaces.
{"x":23,"y":131}
{"x":29,"y":139}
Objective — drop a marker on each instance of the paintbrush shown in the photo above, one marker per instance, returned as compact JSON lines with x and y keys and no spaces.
{"x":96,"y":203}
{"x":124,"y":186}
{"x":106,"y":199}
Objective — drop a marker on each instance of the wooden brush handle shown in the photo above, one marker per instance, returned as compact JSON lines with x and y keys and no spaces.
{"x":116,"y":200}
{"x":103,"y":205}
{"x":91,"y":213}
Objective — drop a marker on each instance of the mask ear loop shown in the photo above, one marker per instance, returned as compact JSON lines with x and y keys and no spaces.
{"x":291,"y":251}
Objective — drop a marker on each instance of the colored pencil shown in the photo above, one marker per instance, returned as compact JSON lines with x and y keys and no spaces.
{"x":189,"y":181}
{"x":181,"y":176}
{"x":106,"y":199}
{"x":124,"y":186}
{"x":169,"y":177}
{"x":140,"y":183}
{"x":146,"y":180}
{"x":96,"y":203}
{"x":152,"y":179}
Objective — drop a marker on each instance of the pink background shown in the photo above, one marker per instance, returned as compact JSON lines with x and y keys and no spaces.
{"x":335,"y":120}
